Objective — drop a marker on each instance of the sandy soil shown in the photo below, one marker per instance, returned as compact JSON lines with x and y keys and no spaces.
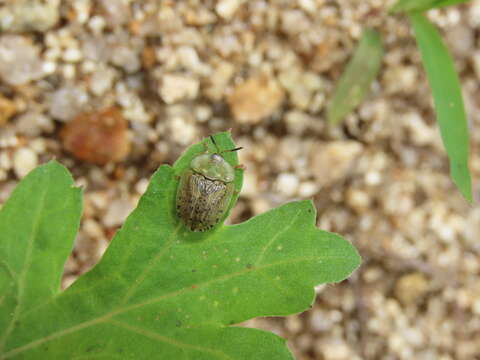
{"x":150,"y":78}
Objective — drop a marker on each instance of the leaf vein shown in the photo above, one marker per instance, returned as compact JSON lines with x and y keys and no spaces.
{"x":107,"y":316}
{"x":25,"y":267}
{"x":275,"y":237}
{"x":152,"y":263}
{"x":170,"y":341}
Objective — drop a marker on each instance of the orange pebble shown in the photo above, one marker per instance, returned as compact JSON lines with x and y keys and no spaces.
{"x":99,"y":137}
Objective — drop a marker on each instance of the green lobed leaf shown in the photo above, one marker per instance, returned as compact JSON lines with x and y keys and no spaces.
{"x":447,"y":96}
{"x":422,"y":5}
{"x":37,"y":228}
{"x":355,"y":82}
{"x":163,"y":292}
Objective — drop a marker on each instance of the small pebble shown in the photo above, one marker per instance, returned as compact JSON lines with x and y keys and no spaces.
{"x":33,"y":123}
{"x":177,"y":87}
{"x":411,"y":288}
{"x":98,"y":137}
{"x":5,"y":160}
{"x":294,"y":324}
{"x":29,"y":15}
{"x":117,"y":212}
{"x":126,"y":57}
{"x":227,"y":8}
{"x":287,"y":184}
{"x":24,"y":161}
{"x":358,"y":199}
{"x":20,"y":60}
{"x":102,"y":80}
{"x":67,"y":102}
{"x":7,"y":109}
{"x":307,"y":189}
{"x":332,"y":161}
{"x":255,"y":99}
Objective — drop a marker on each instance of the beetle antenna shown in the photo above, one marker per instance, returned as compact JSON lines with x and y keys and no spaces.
{"x":214,"y":143}
{"x":231,"y":150}
{"x":236,"y":149}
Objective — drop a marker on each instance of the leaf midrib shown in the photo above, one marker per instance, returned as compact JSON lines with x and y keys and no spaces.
{"x":25,"y":267}
{"x":149,"y":267}
{"x":170,"y":341}
{"x":107,"y":316}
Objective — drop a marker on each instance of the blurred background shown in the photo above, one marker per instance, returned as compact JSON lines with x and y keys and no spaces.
{"x":114,"y":88}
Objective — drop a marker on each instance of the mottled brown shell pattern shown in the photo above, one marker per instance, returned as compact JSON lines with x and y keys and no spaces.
{"x":202,"y":202}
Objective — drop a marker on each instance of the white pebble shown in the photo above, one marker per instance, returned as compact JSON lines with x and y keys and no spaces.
{"x":189,"y":59}
{"x":20,"y":60}
{"x":39,"y":145}
{"x":308,"y":5}
{"x":307,"y":189}
{"x":358,"y":199}
{"x":102,"y":80}
{"x":178,"y":87}
{"x":72,"y":55}
{"x":24,"y":161}
{"x":28,"y":15}
{"x":183,"y":132}
{"x":287,"y":184}
{"x":476,"y":307}
{"x":117,"y":212}
{"x":68,"y":71}
{"x":226,"y":8}
{"x":99,"y":199}
{"x":203,"y":113}
{"x":5,"y":161}
{"x":33,"y":123}
{"x":126,"y":57}
{"x":96,"y":24}
{"x":250,"y":184}
{"x":88,"y":66}
{"x":476,"y":63}
{"x":141,"y":186}
{"x":373,"y":178}
{"x":49,"y":67}
{"x":67,"y":102}
{"x":92,"y":228}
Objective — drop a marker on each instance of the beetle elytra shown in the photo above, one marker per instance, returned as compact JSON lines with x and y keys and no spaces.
{"x":205,"y":190}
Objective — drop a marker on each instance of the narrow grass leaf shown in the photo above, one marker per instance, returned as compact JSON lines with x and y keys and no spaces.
{"x":356,"y":80}
{"x":422,"y":5}
{"x":447,"y":96}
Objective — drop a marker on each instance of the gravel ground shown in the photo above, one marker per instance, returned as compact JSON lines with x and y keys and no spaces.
{"x":114,"y":88}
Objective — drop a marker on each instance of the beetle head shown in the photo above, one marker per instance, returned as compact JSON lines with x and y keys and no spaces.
{"x":218,"y":150}
{"x":214,"y":166}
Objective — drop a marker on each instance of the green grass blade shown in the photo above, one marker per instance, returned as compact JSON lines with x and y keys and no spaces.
{"x":356,"y":80}
{"x":448,"y":100}
{"x":422,"y":5}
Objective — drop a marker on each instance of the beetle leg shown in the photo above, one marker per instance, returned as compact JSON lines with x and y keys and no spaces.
{"x":205,"y":147}
{"x":240,"y":166}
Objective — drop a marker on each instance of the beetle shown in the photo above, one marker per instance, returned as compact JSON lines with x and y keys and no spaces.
{"x":205,"y":190}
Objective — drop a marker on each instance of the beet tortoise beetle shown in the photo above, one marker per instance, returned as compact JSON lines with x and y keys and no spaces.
{"x":205,"y":190}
